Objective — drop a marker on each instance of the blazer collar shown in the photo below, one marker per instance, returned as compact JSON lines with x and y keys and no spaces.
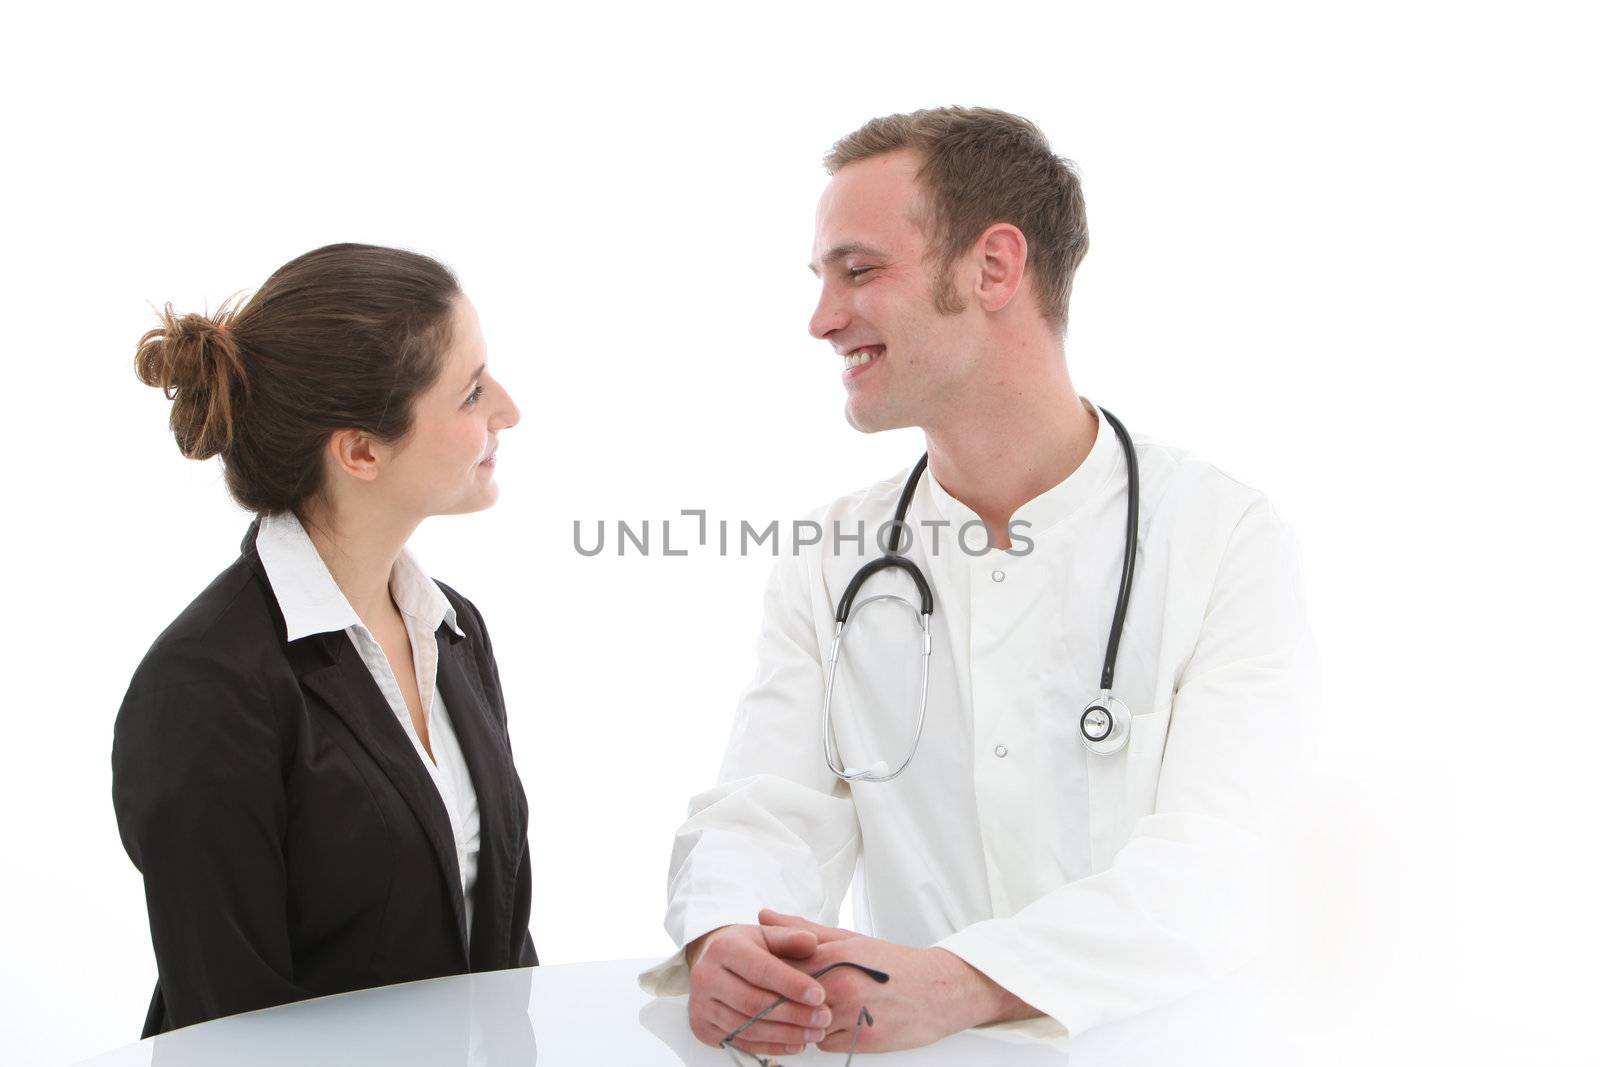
{"x":347,"y":688}
{"x":487,"y":751}
{"x":312,"y":602}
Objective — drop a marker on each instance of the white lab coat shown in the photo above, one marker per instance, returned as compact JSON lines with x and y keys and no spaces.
{"x":1092,"y":887}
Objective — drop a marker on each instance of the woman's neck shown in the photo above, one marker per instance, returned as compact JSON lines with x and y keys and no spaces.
{"x":360,"y":552}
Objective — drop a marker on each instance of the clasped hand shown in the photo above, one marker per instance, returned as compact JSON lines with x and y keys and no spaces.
{"x":737,"y":971}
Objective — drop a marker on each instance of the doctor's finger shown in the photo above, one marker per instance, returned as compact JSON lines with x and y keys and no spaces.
{"x":766,"y":971}
{"x":709,"y":1033}
{"x":726,"y":1019}
{"x":745,"y":999}
{"x":794,"y":944}
{"x":824,"y":934}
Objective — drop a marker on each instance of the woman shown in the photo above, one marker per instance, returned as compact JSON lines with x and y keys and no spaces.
{"x":311,"y":768}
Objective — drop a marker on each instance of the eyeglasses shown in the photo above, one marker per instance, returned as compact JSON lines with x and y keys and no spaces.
{"x":864,"y":1017}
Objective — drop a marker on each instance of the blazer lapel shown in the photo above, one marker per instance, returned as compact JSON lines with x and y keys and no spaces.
{"x":488,"y":759}
{"x":346,"y":686}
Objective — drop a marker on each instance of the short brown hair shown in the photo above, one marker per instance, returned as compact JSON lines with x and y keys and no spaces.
{"x":981,"y":166}
{"x":343,"y":337}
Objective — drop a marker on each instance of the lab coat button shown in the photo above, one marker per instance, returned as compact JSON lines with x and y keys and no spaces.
{"x":1001,"y":750}
{"x":998,"y":575}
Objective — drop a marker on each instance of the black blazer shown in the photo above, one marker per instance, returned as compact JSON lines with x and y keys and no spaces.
{"x":291,"y":841}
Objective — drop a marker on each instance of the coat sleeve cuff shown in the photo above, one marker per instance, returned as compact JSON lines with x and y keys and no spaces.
{"x":670,"y":977}
{"x":1014,"y":977}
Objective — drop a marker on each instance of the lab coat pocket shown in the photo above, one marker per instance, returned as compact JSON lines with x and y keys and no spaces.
{"x":1146,"y":744}
{"x":1148,"y":734}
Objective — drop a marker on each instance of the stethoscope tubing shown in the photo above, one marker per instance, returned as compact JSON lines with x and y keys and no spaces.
{"x":1115,"y":712}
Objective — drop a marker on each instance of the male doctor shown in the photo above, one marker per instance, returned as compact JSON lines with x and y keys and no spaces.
{"x":1010,"y":875}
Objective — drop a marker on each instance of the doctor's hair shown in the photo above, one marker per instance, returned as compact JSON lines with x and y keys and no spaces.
{"x":981,"y":166}
{"x":344,"y":337}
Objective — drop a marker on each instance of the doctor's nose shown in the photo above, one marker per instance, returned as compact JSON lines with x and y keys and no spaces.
{"x":829,"y":317}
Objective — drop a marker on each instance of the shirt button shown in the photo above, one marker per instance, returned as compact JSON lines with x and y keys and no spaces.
{"x":1000,"y":750}
{"x":998,"y":576}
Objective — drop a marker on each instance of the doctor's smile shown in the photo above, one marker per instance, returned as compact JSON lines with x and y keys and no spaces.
{"x":859,"y":360}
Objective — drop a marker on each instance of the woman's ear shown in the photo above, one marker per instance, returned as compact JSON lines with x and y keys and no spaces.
{"x":355,"y":453}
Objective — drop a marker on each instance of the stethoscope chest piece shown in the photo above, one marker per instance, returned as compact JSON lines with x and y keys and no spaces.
{"x":1104,"y":725}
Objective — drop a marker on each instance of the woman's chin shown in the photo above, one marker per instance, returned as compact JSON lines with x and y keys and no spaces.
{"x":482,"y":497}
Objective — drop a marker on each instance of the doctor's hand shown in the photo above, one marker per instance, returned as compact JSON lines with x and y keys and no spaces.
{"x":735,"y":972}
{"x":931,"y":993}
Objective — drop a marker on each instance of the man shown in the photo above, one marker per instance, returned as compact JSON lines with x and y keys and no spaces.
{"x":1010,"y":875}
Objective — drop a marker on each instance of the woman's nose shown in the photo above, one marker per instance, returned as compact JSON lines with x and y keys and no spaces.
{"x":508,"y":415}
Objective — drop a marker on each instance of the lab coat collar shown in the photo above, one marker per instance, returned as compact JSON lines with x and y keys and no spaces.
{"x":1061,"y":500}
{"x":312,"y":602}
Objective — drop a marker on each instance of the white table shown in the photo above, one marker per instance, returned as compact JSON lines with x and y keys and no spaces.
{"x":595,"y":1014}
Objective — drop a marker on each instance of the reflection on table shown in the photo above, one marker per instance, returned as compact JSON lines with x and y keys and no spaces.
{"x":595,"y":1014}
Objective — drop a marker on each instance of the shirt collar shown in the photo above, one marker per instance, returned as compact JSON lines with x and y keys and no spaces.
{"x":1060,"y":500}
{"x":312,"y":602}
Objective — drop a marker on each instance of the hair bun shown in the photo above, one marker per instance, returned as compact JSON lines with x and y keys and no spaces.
{"x":196,"y":361}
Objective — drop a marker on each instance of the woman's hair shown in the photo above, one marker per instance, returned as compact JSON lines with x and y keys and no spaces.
{"x":344,"y":337}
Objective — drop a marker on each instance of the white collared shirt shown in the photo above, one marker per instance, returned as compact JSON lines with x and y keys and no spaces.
{"x":1090,"y":886}
{"x":312,"y":603}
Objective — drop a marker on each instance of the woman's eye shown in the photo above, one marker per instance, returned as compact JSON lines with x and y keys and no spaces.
{"x":477,"y":391}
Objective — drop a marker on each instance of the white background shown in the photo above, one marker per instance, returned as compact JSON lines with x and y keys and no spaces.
{"x":1345,"y":252}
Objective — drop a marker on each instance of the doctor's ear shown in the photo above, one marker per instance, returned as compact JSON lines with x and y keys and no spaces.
{"x":1002,"y":259}
{"x":355,"y":453}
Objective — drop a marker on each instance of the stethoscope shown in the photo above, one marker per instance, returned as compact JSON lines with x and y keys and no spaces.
{"x":1103,"y":726}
